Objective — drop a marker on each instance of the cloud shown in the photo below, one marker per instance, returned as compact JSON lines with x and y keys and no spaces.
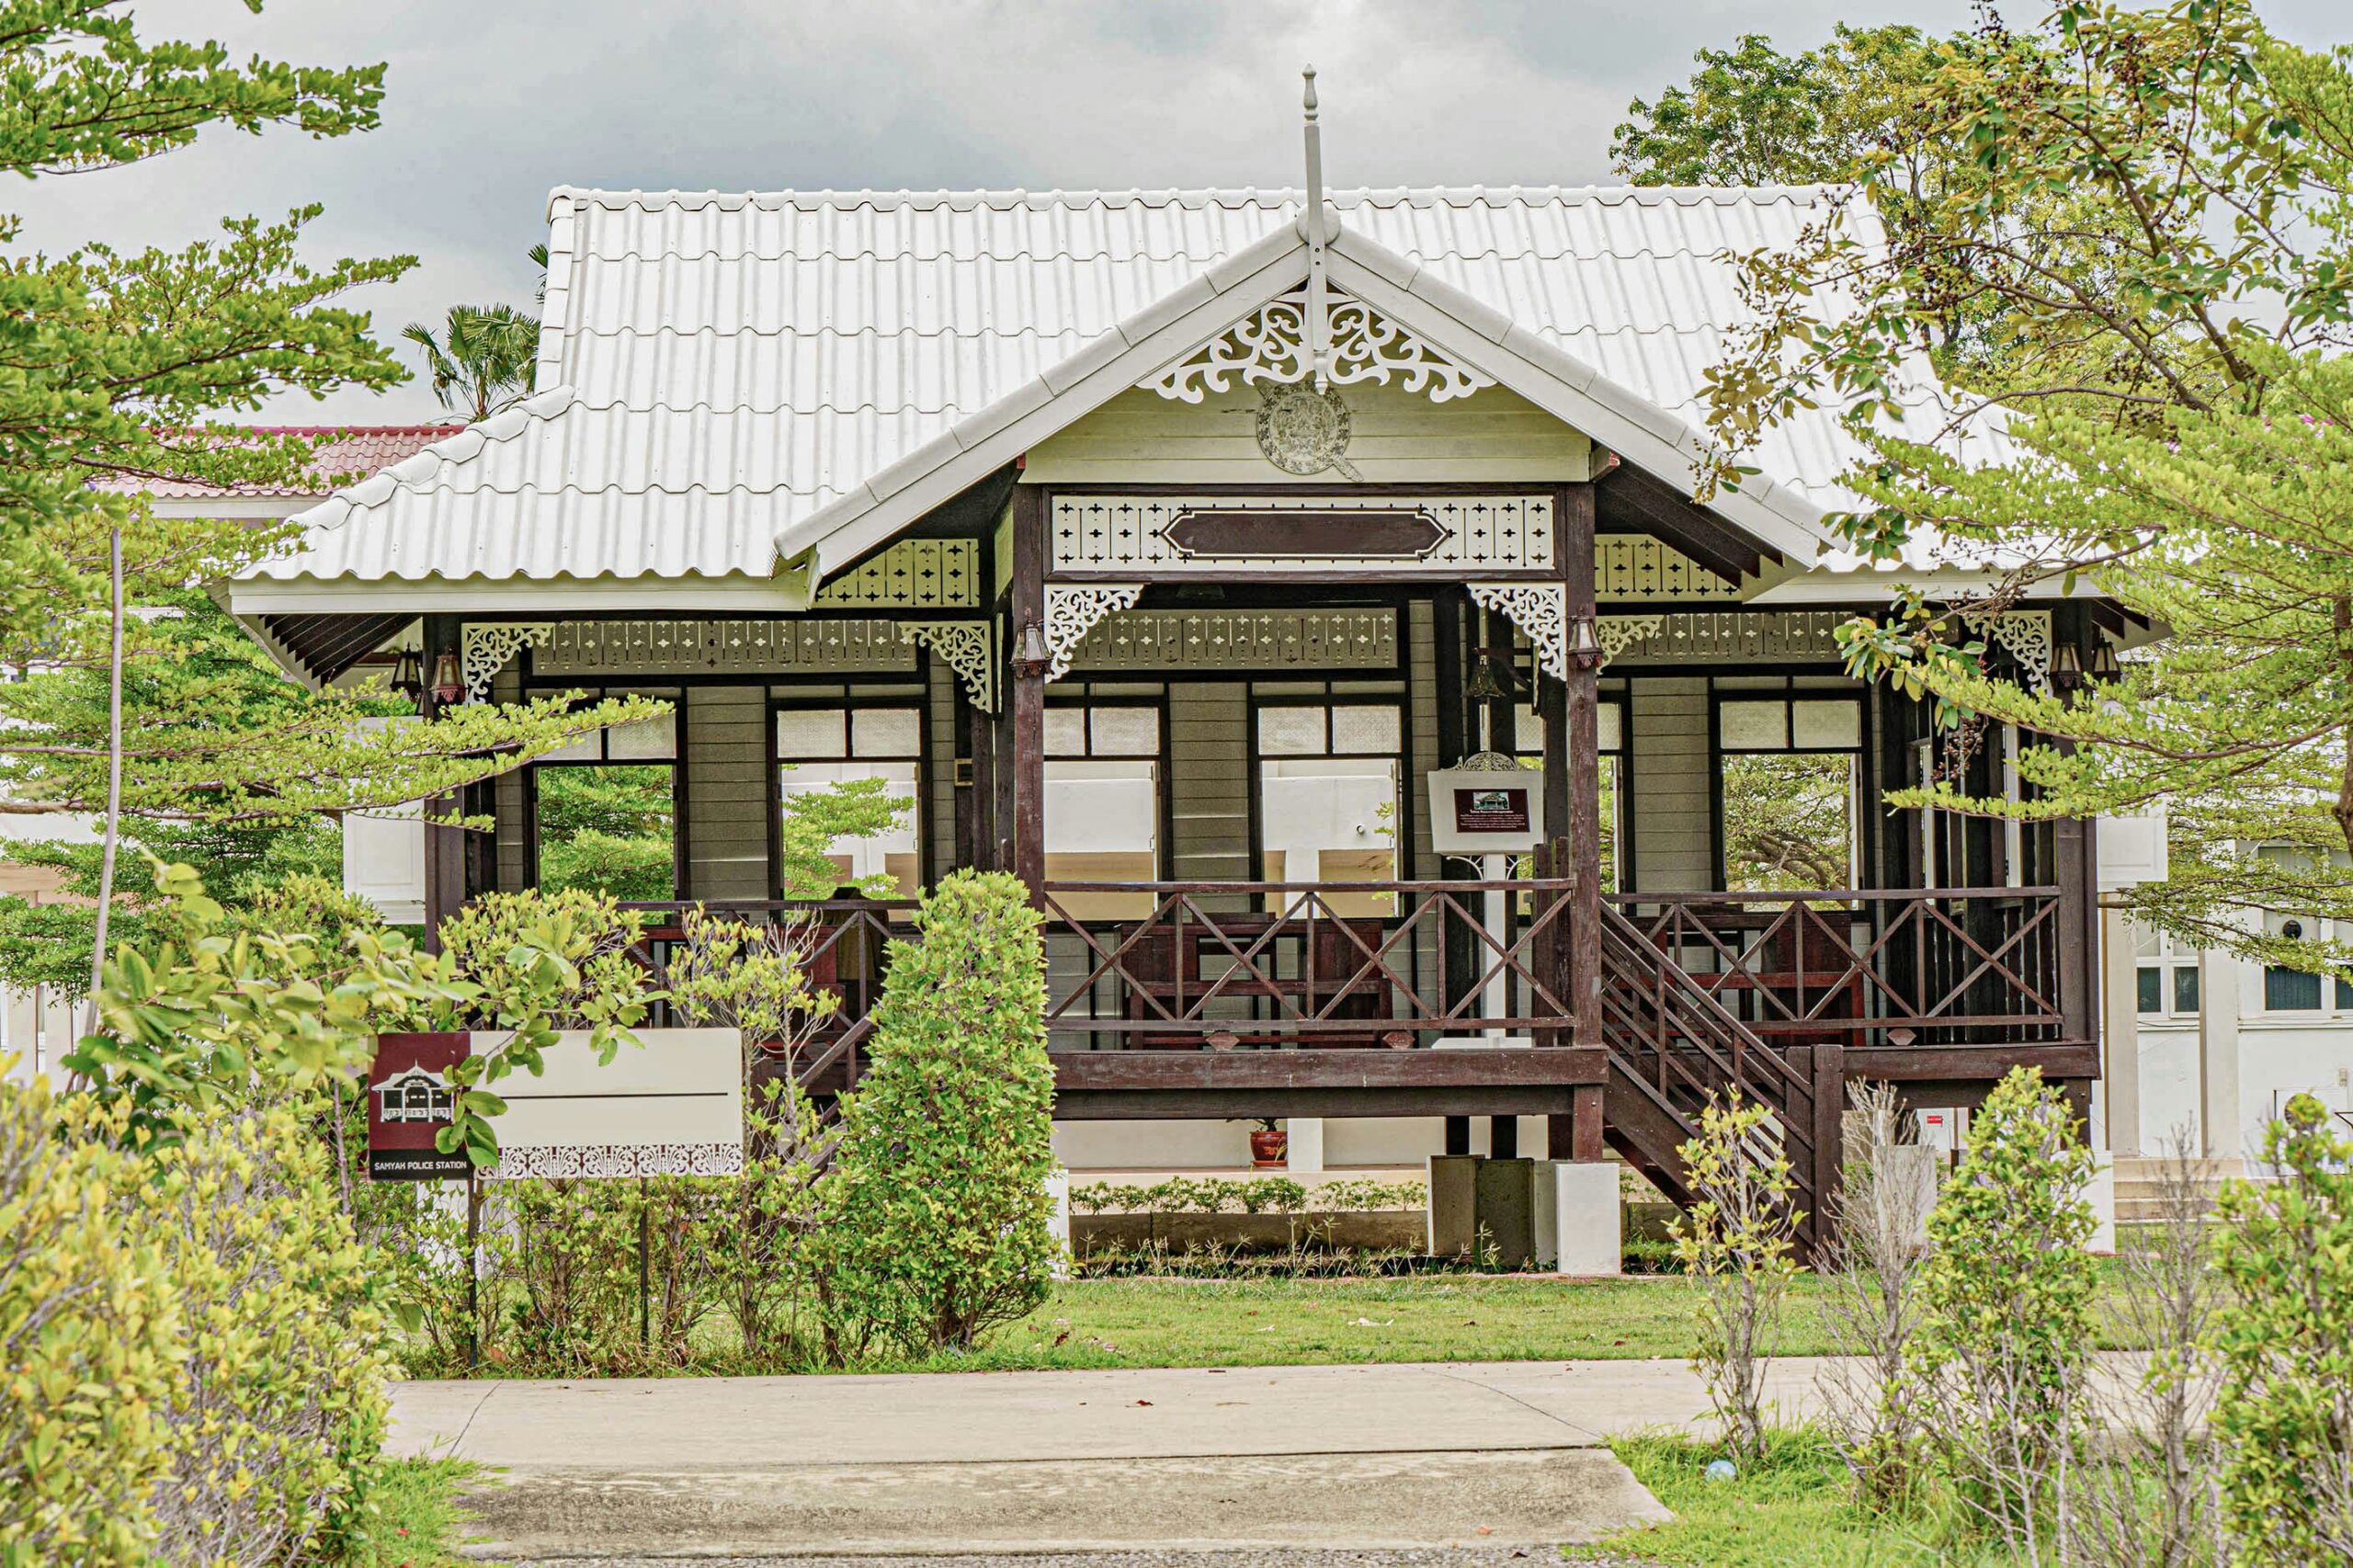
{"x":491,"y":102}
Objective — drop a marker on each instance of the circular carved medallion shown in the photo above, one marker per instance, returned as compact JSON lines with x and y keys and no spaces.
{"x":1302,"y":430}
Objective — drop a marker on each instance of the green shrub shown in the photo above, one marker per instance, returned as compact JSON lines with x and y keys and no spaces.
{"x":275,"y":1425}
{"x":89,"y":1338}
{"x":936,"y":1212}
{"x":2285,"y":1408}
{"x":765,"y":1220}
{"x":2006,"y":1331}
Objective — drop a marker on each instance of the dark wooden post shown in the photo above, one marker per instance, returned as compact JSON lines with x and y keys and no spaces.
{"x":445,"y":847}
{"x":2078,"y":909}
{"x":1028,"y":761}
{"x":1573,"y":536}
{"x":1828,"y":1064}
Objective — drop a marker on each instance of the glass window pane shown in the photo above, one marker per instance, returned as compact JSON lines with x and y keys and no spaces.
{"x":1103,"y":825}
{"x":1355,"y":731}
{"x":2290,"y":991}
{"x":811,"y":733}
{"x":653,"y":740}
{"x":1065,"y":732}
{"x":1330,"y":822}
{"x":886,"y":732}
{"x":1291,"y":731}
{"x":1611,"y":721}
{"x":1126,"y":732}
{"x":1788,"y":821}
{"x":2344,"y":995}
{"x":1755,"y":726}
{"x":848,"y":822}
{"x":2185,"y":988}
{"x":589,"y":747}
{"x":1826,"y":725}
{"x":2152,"y":991}
{"x":610,"y":830}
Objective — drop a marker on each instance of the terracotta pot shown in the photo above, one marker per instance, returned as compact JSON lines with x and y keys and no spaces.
{"x":1267,"y":1149}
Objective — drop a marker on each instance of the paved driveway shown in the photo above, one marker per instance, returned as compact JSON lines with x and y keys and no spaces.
{"x":1389,"y":1457}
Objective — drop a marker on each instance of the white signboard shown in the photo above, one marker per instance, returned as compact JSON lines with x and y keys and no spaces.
{"x":1475,"y":812}
{"x":671,"y":1106}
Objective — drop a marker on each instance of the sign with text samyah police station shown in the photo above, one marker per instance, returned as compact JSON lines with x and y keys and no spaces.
{"x":409,"y":1098}
{"x":1485,"y":812}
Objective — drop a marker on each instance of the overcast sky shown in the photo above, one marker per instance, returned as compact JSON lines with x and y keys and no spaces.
{"x":489,"y":103}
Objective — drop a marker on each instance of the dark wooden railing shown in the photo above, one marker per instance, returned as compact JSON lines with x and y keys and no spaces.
{"x":1226,"y":964}
{"x":1943,"y":966}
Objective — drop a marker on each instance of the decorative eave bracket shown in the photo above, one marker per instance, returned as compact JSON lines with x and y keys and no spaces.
{"x":2024,"y":634}
{"x":1540,"y":609}
{"x":488,"y":646}
{"x":968,"y":647}
{"x":1072,"y":610}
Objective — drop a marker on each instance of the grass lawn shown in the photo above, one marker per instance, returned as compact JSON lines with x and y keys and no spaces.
{"x":1791,"y":1512}
{"x":1260,"y":1323}
{"x":1269,"y":1322}
{"x":418,"y":1523}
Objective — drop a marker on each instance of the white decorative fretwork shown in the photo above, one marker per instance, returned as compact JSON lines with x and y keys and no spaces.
{"x":1488,"y":531}
{"x":1159,"y":640}
{"x":1636,"y":567}
{"x":488,"y":646}
{"x":1722,"y":637}
{"x":1542,"y":610}
{"x":619,"y":1161}
{"x":1616,"y":633}
{"x":2025,"y":635}
{"x":1270,"y":345}
{"x":967,"y":648}
{"x":833,"y":645}
{"x":913,"y":574}
{"x":1072,"y":610}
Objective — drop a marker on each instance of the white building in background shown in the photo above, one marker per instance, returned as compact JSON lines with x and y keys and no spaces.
{"x":2216,"y":1043}
{"x":39,"y":1027}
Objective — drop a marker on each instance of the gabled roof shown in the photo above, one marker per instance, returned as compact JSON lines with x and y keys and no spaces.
{"x":739,"y":380}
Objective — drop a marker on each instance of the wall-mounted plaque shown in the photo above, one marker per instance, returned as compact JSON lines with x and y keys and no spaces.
{"x":1293,"y":534}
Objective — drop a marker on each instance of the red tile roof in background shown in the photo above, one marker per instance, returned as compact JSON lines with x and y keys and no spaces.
{"x":353,"y":448}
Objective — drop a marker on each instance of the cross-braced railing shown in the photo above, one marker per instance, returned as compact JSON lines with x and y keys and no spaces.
{"x":1222,"y":964}
{"x":1940,"y":966}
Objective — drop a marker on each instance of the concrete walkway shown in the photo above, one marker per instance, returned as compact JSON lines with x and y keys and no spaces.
{"x":1168,"y":1460}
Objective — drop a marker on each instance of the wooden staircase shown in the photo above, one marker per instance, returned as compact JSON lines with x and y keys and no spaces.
{"x":1671,"y":1045}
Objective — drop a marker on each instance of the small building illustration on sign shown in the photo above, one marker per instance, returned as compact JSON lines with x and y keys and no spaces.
{"x":415,"y":1096}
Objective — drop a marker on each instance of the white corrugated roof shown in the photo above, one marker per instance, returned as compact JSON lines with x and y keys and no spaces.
{"x":727,"y":372}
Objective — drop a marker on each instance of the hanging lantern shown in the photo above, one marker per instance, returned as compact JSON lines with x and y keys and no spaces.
{"x":408,"y":674}
{"x":448,"y":686}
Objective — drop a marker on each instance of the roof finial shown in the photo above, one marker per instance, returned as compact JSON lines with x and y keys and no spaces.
{"x":1318,"y":323}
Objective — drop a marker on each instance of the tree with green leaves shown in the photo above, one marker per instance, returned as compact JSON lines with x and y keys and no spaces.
{"x":484,"y":359}
{"x":1752,"y":115}
{"x":2152,"y":265}
{"x":122,"y":368}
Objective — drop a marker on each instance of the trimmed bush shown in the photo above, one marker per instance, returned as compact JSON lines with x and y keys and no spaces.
{"x":935,"y":1214}
{"x":274,"y":1427}
{"x":2285,"y":1337}
{"x":1738,"y":1242}
{"x":88,"y":1340}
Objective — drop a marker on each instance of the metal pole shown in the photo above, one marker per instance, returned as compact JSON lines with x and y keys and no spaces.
{"x":473,"y":1273}
{"x":644,"y":1268}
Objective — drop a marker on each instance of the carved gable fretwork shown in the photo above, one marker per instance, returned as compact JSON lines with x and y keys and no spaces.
{"x":1177,"y":535}
{"x":1072,"y":612}
{"x":913,"y":574}
{"x":2025,"y":635}
{"x":1269,"y":348}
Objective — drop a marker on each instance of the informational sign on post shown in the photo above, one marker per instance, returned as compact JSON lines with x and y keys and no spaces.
{"x":670,"y":1104}
{"x":411,"y":1098}
{"x":1483,"y":812}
